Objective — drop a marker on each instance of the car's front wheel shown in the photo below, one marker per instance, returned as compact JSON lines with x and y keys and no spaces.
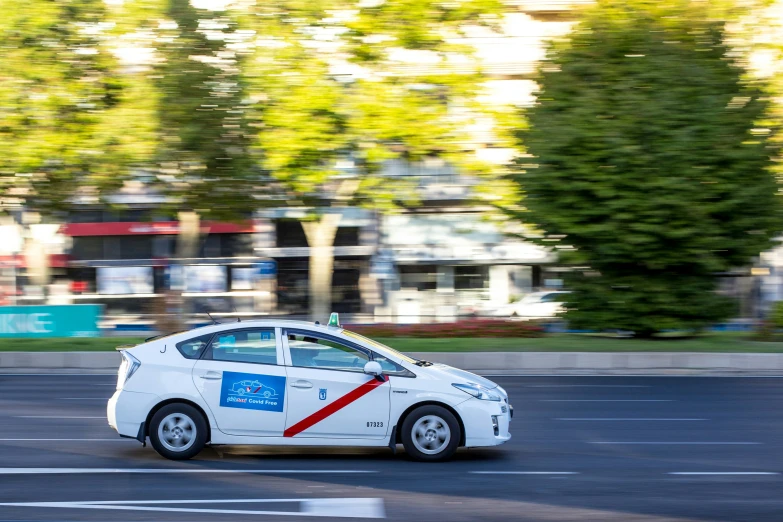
{"x":178,"y":431}
{"x":431,"y":433}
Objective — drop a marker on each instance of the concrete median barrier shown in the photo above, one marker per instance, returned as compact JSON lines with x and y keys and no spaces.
{"x":56,"y":361}
{"x":609,"y":363}
{"x":480,"y":362}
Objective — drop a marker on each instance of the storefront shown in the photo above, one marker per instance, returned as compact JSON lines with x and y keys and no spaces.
{"x":441,"y":265}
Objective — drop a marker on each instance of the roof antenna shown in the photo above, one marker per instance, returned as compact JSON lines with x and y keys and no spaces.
{"x":239,"y":319}
{"x":212,"y":319}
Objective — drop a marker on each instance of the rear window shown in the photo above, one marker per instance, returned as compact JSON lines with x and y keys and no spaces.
{"x":192,"y":348}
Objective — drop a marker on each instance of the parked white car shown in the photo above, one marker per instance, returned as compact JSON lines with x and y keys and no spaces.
{"x":299,"y":384}
{"x":538,"y":305}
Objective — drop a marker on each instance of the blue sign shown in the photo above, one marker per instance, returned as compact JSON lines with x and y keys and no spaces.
{"x":50,"y":321}
{"x":322,"y":394}
{"x":266,"y":269}
{"x":252,"y":391}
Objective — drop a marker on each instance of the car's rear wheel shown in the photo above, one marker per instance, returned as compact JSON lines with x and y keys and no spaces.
{"x":178,"y":431}
{"x":431,"y":433}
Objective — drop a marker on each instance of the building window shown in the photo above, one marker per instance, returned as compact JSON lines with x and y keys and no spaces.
{"x":471,"y":277}
{"x":236,"y":245}
{"x":135,"y":247}
{"x":290,"y":233}
{"x":347,"y":236}
{"x":87,"y":248}
{"x":420,"y":277}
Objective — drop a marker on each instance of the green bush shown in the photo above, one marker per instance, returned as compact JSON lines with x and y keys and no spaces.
{"x":776,"y":314}
{"x":467,"y":328}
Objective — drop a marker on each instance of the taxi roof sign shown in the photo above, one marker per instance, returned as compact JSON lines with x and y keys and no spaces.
{"x":334,"y":319}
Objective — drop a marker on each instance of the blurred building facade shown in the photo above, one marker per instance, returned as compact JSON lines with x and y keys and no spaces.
{"x":437,"y":261}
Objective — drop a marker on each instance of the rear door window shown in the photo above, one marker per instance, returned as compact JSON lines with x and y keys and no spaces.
{"x":253,"y":345}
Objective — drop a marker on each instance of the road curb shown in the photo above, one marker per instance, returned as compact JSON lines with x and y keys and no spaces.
{"x":509,"y":363}
{"x":610,"y":362}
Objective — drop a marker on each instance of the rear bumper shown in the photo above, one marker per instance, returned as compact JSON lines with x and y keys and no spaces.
{"x":127,"y":412}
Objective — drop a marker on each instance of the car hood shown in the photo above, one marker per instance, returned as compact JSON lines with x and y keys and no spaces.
{"x":461,"y":375}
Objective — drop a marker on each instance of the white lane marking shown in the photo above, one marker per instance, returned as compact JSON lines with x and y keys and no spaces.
{"x":677,"y":443}
{"x":56,"y":417}
{"x":623,"y":419}
{"x":97,"y":374}
{"x":119,"y":439}
{"x":719,"y":473}
{"x":310,"y":507}
{"x":83,"y":398}
{"x":616,"y":375}
{"x":606,"y":400}
{"x":113,"y":373}
{"x":524,"y":472}
{"x":338,"y":507}
{"x":586,"y":386}
{"x":72,"y":471}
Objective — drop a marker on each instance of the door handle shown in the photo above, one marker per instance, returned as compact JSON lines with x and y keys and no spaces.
{"x":301,"y":384}
{"x":211,"y":375}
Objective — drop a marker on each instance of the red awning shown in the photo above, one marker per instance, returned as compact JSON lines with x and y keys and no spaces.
{"x":149,"y":228}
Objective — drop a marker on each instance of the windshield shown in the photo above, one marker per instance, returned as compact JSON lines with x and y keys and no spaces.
{"x":386,"y":350}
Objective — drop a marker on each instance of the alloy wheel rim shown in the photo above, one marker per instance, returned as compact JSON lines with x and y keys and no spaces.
{"x":431,"y":434}
{"x":177,"y":432}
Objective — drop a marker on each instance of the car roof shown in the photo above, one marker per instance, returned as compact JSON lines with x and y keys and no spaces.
{"x":338,"y":331}
{"x":260,"y":323}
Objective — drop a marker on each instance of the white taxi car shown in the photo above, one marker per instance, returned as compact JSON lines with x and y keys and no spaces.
{"x":299,"y":384}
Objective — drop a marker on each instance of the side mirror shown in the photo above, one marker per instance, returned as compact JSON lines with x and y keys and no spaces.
{"x":373,"y":368}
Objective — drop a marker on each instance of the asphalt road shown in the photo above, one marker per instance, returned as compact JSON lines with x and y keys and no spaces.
{"x":583,"y":448}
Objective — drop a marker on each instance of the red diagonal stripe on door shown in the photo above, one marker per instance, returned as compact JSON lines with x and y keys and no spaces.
{"x":333,"y":407}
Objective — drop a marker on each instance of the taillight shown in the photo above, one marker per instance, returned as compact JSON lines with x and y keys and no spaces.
{"x":128,"y":367}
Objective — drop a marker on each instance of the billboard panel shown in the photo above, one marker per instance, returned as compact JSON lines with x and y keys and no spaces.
{"x":117,"y":280}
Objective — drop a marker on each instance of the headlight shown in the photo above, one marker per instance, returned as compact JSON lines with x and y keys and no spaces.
{"x":128,"y":367}
{"x":502,"y":392}
{"x":478,"y":391}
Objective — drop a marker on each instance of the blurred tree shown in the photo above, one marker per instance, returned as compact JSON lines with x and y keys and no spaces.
{"x":203,"y":158}
{"x":186,"y":93}
{"x":340,"y":92}
{"x":650,"y":167}
{"x":58,"y":88}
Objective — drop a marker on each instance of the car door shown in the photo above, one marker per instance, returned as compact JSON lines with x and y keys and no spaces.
{"x":243,"y":381}
{"x":329,"y":393}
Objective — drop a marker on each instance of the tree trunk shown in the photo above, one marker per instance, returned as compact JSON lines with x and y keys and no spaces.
{"x":320,"y":238}
{"x":187,"y":248}
{"x":189,"y":230}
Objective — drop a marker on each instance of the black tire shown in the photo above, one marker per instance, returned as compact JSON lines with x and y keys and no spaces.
{"x":433,"y":418}
{"x":188,"y":416}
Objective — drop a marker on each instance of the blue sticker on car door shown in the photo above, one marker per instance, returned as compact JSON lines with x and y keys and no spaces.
{"x":252,"y":391}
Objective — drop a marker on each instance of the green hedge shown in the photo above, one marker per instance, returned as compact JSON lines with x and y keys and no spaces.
{"x":467,"y":328}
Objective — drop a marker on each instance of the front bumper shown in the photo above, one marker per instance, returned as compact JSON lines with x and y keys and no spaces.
{"x":477,"y":417}
{"x":127,"y":411}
